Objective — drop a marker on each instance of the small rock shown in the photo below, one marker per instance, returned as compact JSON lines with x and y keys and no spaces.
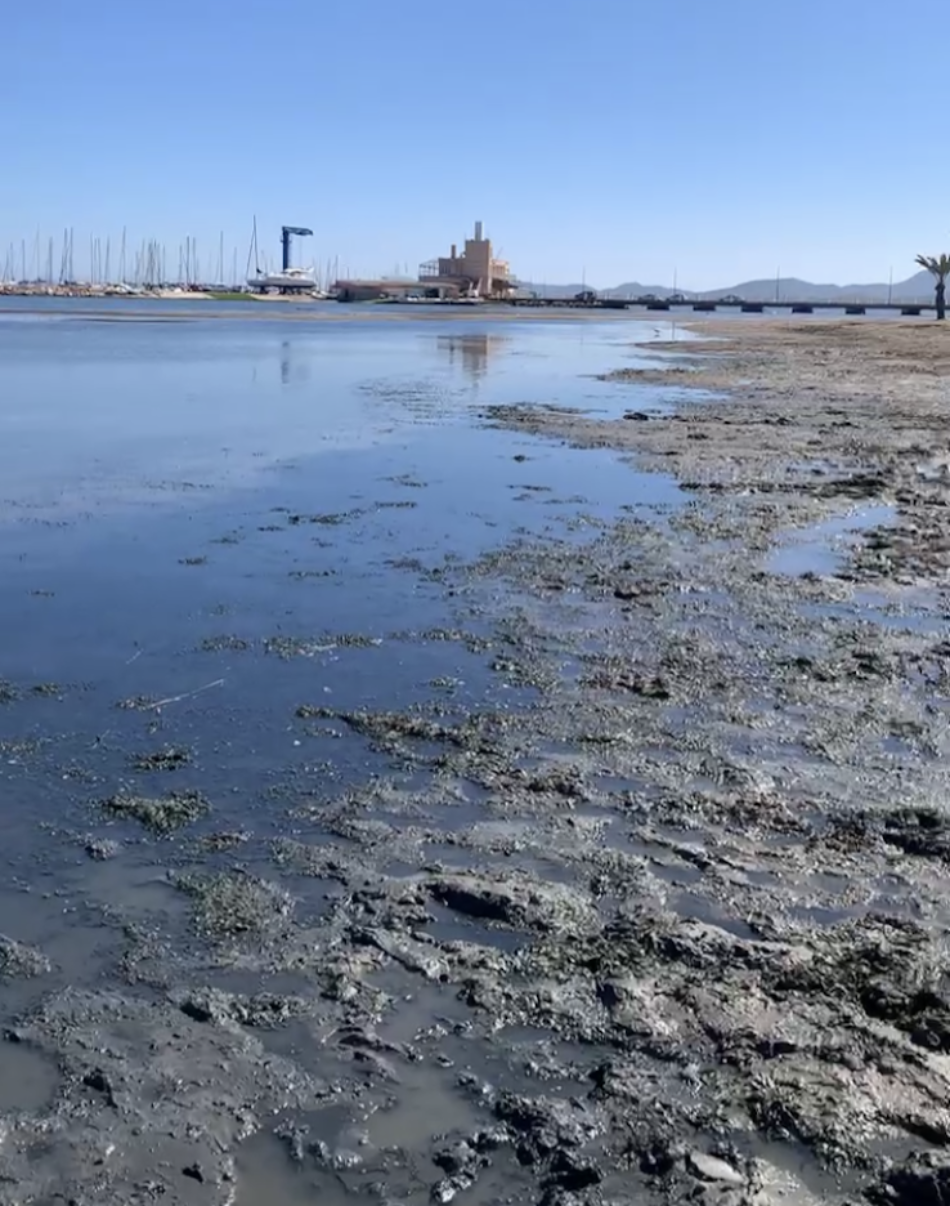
{"x":194,"y":1172}
{"x":102,"y":850}
{"x":446,"y":1189}
{"x":711,"y":1168}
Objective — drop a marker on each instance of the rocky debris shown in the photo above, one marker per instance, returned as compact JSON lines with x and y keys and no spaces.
{"x":922,"y":1181}
{"x":522,"y":904}
{"x":413,"y":955}
{"x":162,"y":815}
{"x":921,"y":832}
{"x":711,"y":1168}
{"x":20,"y":962}
{"x":543,"y":1129}
{"x":262,"y":1011}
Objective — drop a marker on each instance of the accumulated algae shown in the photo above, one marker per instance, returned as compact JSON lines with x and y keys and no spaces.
{"x":161,"y":814}
{"x":234,"y":903}
{"x":225,"y":643}
{"x":18,"y":961}
{"x":167,"y":759}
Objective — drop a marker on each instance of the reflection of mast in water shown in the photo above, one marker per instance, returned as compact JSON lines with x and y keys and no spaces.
{"x":472,"y":350}
{"x":290,"y":370}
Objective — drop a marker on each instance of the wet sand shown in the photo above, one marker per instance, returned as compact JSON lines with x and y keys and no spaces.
{"x":659,"y":914}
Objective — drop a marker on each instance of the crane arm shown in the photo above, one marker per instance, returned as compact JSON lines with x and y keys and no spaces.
{"x":287,"y":233}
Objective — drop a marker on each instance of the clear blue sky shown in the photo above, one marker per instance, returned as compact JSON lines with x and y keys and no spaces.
{"x":722,"y":139}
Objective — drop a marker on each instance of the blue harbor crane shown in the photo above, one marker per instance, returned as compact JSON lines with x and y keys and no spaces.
{"x":288,"y":279}
{"x":286,"y":241}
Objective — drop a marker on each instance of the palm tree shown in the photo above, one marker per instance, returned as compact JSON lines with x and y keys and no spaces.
{"x":939,"y":268}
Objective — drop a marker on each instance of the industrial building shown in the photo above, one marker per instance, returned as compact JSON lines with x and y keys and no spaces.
{"x":475,"y":272}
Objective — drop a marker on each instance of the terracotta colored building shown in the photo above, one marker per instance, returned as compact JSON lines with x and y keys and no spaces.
{"x":475,"y":271}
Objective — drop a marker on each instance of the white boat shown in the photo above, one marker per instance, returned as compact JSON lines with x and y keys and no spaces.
{"x":289,"y":278}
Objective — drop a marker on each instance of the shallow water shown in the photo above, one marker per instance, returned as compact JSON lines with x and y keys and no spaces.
{"x":822,"y":548}
{"x":174,"y":495}
{"x":205,"y":524}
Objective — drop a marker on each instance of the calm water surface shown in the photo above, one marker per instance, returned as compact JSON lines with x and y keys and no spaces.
{"x":166,"y":485}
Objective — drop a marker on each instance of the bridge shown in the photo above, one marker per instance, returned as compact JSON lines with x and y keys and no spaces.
{"x":707,"y":306}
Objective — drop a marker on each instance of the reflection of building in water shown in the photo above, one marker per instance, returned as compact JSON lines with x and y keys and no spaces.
{"x":471,"y":351}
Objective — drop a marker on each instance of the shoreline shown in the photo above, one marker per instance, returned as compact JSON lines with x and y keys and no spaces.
{"x":662,"y":918}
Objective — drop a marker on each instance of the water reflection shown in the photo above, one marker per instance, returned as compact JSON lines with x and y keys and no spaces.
{"x":472,"y":351}
{"x":292,"y":370}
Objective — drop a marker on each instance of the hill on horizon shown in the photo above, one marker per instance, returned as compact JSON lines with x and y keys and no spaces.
{"x":917,"y":288}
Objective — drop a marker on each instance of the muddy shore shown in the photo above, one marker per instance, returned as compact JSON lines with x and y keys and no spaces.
{"x":670,"y":926}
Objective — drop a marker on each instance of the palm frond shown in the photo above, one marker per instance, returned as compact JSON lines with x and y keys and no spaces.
{"x":938,"y":266}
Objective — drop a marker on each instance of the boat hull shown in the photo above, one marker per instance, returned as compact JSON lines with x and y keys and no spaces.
{"x":285,"y":281}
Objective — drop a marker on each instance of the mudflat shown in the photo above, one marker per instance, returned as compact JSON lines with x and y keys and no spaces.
{"x":657,"y":914}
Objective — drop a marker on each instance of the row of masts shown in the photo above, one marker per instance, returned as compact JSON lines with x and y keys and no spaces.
{"x":148,"y":263}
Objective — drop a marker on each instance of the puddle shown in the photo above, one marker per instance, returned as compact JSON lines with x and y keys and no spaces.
{"x":267,"y":1172}
{"x":676,"y":873}
{"x":698,"y":908}
{"x":474,"y":857}
{"x":825,"y":915}
{"x":28,"y":1079}
{"x":823,"y":548}
{"x":869,"y":609}
{"x":448,"y":928}
{"x":342,"y":1158}
{"x":787,"y":1156}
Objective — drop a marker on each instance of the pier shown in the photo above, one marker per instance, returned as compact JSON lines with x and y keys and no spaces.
{"x":712,"y":306}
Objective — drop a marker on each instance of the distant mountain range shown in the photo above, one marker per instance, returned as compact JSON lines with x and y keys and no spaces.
{"x":917,"y":288}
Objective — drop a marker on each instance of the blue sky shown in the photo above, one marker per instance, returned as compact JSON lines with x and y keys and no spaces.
{"x":718,"y":139}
